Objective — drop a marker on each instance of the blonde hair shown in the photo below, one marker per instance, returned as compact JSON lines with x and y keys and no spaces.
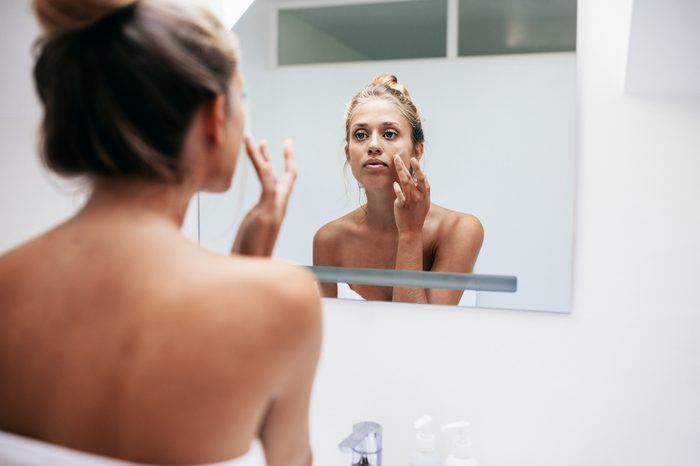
{"x":120,"y":81}
{"x":387,"y":87}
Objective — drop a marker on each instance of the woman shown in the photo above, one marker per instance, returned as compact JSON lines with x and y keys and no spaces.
{"x":398,"y":228}
{"x":119,"y":338}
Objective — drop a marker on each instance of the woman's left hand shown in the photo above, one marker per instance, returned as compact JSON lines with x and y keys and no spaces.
{"x":412,"y":196}
{"x":258,"y":231}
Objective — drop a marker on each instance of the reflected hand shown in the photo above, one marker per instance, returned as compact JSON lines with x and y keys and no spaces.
{"x":258,"y":231}
{"x":412,"y":196}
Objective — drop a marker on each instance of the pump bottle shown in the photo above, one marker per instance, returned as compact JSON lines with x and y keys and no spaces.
{"x":461,"y":454}
{"x":425,"y":454}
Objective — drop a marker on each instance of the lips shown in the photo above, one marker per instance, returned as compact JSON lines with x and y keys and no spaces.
{"x":374,"y":163}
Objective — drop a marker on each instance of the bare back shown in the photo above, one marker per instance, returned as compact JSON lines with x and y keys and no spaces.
{"x":125,"y":339}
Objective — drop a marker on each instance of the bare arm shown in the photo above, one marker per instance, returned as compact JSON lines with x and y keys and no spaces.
{"x":285,"y":428}
{"x":410,"y":209}
{"x":457,"y":251}
{"x":325,"y":254}
{"x":409,"y":256}
{"x":459,"y":241}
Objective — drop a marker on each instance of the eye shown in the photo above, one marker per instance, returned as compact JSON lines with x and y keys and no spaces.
{"x":390,"y":134}
{"x":360,"y":135}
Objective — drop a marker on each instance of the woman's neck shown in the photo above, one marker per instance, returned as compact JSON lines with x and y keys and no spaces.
{"x":139,"y":200}
{"x":380,"y":210}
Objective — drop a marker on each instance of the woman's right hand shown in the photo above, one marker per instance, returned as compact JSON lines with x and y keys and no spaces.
{"x":412,"y":197}
{"x":258,"y":231}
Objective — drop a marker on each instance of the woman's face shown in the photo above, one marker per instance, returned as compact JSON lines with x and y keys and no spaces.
{"x":378,"y":131}
{"x":237,"y":117}
{"x":233,"y":137}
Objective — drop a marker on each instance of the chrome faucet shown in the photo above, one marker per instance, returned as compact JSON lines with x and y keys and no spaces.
{"x":365,"y":443}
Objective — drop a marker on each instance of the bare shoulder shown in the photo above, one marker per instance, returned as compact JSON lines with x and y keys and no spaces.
{"x":330,"y":236}
{"x":254,"y":319}
{"x":448,"y":222}
{"x":457,"y":238}
{"x":267,"y":296}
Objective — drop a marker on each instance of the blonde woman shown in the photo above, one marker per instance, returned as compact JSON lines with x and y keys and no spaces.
{"x":398,"y":227}
{"x":120,"y":340}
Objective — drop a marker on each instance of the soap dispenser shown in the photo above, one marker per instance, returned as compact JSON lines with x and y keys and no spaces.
{"x":425,"y":454}
{"x":461,"y":454}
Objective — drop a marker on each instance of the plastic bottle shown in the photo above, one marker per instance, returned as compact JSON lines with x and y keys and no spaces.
{"x":461,"y":454}
{"x":425,"y":454}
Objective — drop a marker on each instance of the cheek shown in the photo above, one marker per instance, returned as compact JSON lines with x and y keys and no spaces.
{"x":354,"y":154}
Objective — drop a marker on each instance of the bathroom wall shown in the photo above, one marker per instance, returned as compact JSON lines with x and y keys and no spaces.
{"x":616,"y":382}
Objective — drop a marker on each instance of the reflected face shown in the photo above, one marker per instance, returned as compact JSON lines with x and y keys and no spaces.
{"x":378,"y":131}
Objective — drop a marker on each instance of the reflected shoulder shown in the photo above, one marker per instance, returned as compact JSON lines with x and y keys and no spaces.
{"x":328,"y":238}
{"x":339,"y":226}
{"x":454,"y":217}
{"x":454,"y":221}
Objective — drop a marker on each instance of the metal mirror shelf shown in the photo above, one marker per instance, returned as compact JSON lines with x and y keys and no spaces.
{"x":415,"y":279}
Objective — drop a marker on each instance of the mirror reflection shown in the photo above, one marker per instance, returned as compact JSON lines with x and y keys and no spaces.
{"x":498,"y":139}
{"x":397,"y":226}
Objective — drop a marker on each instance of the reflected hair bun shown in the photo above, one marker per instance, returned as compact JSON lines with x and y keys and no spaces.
{"x":60,"y":16}
{"x":390,"y":82}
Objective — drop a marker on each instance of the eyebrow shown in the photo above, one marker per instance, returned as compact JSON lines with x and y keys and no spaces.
{"x":386,"y":123}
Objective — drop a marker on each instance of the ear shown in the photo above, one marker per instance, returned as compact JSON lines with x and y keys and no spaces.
{"x":347,"y":153}
{"x":214,"y":118}
{"x":418,"y":151}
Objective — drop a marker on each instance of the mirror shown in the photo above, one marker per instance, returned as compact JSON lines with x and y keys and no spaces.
{"x":498,"y":103}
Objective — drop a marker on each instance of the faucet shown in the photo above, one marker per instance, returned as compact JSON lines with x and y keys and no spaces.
{"x":365,"y":442}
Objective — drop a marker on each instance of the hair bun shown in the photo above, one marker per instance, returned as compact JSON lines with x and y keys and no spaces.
{"x":60,"y":16}
{"x":391,"y":82}
{"x":384,"y":80}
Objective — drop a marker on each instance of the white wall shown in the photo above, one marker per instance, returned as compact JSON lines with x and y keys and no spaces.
{"x":617,"y":381}
{"x":662,"y":35}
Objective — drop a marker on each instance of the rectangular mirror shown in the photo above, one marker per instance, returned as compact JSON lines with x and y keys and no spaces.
{"x":499,"y":116}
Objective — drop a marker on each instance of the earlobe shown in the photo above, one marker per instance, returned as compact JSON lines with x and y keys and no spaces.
{"x":347,"y":153}
{"x":418,"y":151}
{"x":214,"y":115}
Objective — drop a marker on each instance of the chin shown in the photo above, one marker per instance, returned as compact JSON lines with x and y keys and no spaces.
{"x":378,"y":184}
{"x":217,"y":186}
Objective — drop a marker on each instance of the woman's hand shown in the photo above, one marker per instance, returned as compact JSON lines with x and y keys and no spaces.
{"x":412,"y":197}
{"x":258,"y":231}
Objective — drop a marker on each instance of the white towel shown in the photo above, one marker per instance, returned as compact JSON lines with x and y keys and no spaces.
{"x":16,"y":450}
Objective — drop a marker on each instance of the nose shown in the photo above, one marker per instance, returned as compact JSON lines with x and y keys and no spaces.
{"x":374,"y":148}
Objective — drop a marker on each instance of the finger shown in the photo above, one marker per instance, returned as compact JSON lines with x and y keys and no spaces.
{"x":399,"y":194}
{"x":263,"y":170}
{"x":253,"y":156}
{"x":268,"y":168}
{"x":419,"y":175}
{"x":290,"y":171}
{"x":290,"y":161}
{"x":264,"y":151}
{"x":402,"y":172}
